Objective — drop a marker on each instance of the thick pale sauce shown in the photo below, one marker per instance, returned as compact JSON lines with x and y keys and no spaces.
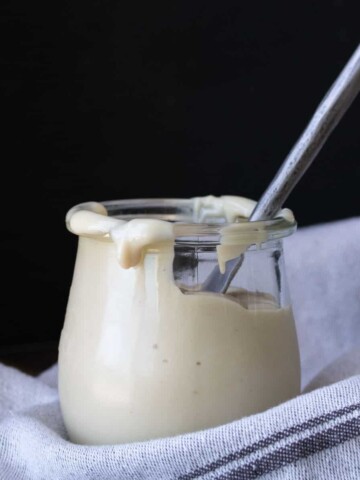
{"x":139,"y":359}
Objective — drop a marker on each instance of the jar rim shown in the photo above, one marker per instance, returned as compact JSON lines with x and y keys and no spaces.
{"x":180,"y":211}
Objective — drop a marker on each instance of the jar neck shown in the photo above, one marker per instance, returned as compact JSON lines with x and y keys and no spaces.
{"x":136,"y":225}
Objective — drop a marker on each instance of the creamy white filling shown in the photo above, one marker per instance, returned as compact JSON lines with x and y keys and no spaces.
{"x":140,"y":359}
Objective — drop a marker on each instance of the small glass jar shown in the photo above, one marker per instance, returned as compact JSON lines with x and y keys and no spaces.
{"x":146,"y":352}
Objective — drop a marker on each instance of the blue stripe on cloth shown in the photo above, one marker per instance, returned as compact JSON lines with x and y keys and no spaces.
{"x":285,"y":456}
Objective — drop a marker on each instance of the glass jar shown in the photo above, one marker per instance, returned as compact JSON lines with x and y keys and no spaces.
{"x":147,"y":352}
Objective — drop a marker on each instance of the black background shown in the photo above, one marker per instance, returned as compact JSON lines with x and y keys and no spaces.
{"x":101,"y":97}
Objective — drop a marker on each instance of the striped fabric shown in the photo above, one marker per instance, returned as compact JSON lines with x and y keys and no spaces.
{"x":286,"y":447}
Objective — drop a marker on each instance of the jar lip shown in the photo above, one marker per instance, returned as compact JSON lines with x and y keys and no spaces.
{"x":180,"y":211}
{"x":275,"y":228}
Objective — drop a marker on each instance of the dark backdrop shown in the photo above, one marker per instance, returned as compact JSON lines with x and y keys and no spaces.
{"x":101,"y":97}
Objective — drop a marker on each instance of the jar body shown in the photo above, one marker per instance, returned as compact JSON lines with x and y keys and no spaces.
{"x":143,"y":355}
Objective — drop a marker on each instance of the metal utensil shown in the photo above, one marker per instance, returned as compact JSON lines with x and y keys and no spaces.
{"x":328,"y":114}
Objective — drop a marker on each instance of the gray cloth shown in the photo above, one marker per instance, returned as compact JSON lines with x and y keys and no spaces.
{"x":314,"y":436}
{"x":323,"y":267}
